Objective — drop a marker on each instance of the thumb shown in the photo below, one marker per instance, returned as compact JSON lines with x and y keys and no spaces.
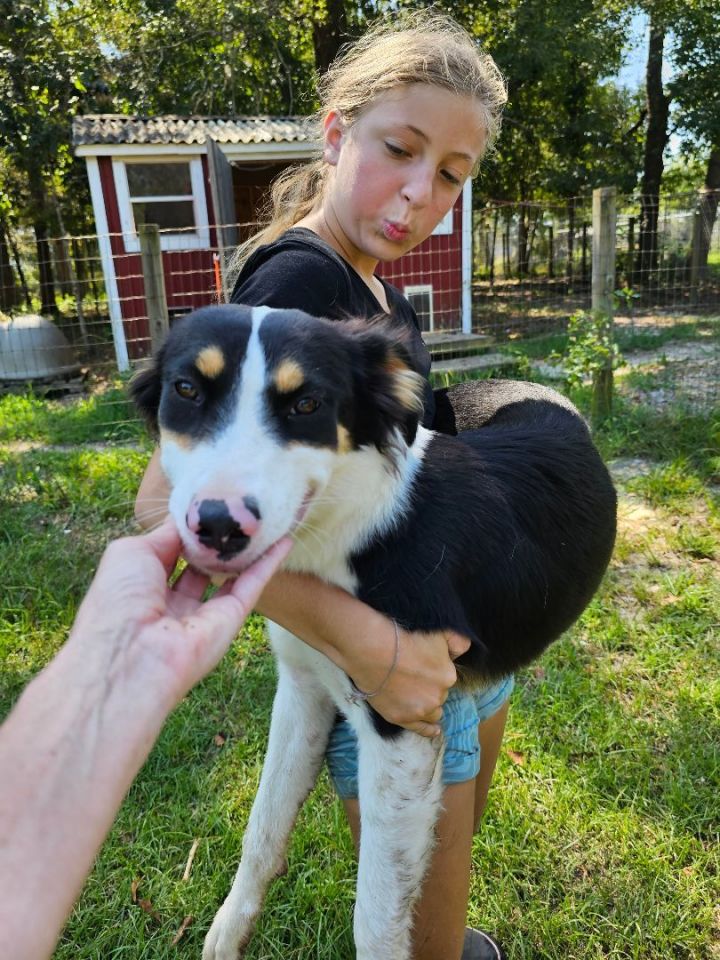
{"x":457,"y":645}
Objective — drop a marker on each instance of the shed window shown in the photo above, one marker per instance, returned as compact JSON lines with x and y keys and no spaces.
{"x":168,"y":193}
{"x":421,"y":300}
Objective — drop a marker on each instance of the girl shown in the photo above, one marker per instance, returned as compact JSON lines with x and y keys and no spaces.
{"x":407,"y":114}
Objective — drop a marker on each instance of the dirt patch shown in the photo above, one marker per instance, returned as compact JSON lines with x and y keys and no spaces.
{"x":685,"y":372}
{"x":657,"y":322}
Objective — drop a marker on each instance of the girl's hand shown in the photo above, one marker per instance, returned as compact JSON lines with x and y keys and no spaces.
{"x":413,"y":694}
{"x":361,"y":642}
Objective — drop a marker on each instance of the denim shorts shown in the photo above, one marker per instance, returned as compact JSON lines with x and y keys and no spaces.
{"x":462,"y":713}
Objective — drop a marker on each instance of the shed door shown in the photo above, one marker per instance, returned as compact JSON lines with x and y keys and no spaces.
{"x":221,"y":187}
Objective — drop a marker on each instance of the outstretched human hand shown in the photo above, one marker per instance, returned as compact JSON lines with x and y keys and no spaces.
{"x":131,"y":618}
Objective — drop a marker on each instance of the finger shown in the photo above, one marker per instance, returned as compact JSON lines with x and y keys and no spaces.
{"x":191,"y":583}
{"x":222,"y":616}
{"x":457,"y":645}
{"x":429,"y":730}
{"x":251,"y":582}
{"x":165,"y":543}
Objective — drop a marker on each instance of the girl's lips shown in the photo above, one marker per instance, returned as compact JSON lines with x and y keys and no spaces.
{"x":394,"y":231}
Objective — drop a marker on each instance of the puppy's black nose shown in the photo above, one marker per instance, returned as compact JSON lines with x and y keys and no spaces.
{"x":218,"y":529}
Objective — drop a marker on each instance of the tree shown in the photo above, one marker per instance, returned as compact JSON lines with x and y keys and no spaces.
{"x":47,"y":55}
{"x":697,"y":110}
{"x":656,"y":139}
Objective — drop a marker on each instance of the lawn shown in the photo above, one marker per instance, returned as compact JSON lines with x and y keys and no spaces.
{"x":601,"y":835}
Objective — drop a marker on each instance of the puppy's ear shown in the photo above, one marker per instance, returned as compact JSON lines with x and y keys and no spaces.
{"x":388,"y":391}
{"x":145,"y":390}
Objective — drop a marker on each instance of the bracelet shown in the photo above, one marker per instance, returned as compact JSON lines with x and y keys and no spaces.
{"x":359,"y":696}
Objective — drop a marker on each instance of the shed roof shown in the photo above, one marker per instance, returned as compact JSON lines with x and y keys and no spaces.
{"x":109,"y":128}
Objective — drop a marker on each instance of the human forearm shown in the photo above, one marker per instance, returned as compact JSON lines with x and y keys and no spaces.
{"x":326,"y":617}
{"x":70,"y":750}
{"x":362,"y":643}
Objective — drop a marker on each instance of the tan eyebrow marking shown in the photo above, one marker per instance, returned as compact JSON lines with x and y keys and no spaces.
{"x":289,"y":376}
{"x":182,"y":440}
{"x":210,"y":362}
{"x":345,"y":443}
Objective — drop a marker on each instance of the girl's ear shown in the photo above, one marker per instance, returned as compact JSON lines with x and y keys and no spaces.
{"x":334,"y":135}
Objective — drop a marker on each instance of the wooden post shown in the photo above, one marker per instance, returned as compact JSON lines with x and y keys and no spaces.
{"x":603,"y":287}
{"x":155,"y":298}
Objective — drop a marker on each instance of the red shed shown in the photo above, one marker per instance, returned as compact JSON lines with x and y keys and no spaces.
{"x":202,"y":180}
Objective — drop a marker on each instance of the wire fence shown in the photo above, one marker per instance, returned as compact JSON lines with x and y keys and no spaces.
{"x":77,"y":311}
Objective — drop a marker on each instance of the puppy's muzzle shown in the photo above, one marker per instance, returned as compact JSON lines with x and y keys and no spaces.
{"x":225,"y":526}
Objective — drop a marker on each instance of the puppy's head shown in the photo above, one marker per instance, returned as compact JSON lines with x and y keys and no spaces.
{"x":255,"y":408}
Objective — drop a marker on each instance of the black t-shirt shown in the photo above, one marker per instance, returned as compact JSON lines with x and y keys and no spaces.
{"x":300,"y":271}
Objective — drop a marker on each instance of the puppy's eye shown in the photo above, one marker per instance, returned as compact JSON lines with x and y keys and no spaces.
{"x":305,"y":406}
{"x":187,"y":391}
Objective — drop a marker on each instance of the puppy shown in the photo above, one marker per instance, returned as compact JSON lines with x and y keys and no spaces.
{"x":274,"y":422}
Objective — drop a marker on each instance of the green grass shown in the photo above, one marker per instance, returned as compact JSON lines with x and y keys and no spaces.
{"x":601,"y":835}
{"x":107,"y":415}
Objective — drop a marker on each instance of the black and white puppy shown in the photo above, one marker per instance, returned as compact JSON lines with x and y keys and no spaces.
{"x":273,"y":422}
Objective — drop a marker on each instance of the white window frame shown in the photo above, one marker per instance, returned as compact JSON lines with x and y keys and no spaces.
{"x":426,"y":288}
{"x":197,"y":239}
{"x":445,"y":227}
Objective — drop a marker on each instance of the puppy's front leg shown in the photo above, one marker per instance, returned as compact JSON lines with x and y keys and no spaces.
{"x":400,"y":789}
{"x":301,"y":721}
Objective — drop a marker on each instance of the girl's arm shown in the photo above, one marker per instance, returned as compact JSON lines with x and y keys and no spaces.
{"x":355,"y":637}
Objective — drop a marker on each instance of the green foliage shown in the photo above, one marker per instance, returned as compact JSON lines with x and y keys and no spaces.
{"x":696,"y":54}
{"x":590,"y":347}
{"x":50,"y":63}
{"x":566,"y":126}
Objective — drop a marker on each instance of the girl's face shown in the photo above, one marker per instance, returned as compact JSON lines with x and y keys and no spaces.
{"x":399,"y":169}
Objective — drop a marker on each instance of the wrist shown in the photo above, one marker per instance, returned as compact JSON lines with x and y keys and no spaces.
{"x":113,"y":677}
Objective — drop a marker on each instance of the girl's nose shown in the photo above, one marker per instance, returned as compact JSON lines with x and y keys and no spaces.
{"x":417,"y":189}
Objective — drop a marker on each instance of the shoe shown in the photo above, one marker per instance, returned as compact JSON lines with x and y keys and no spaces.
{"x":481,"y":946}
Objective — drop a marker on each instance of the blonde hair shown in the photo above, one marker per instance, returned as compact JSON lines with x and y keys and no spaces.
{"x":418,"y":47}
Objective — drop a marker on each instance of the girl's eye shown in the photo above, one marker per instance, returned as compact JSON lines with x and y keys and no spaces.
{"x":187,"y":391}
{"x":395,"y":150}
{"x":451,"y":178}
{"x":305,"y":406}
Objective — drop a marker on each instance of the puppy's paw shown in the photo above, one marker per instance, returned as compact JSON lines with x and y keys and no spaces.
{"x":228,"y":936}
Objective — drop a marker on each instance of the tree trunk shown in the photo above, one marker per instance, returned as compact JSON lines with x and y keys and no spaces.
{"x":522,"y":242}
{"x":9,"y":293}
{"x":48,"y":306}
{"x":40,"y":204}
{"x":705,"y":215}
{"x":329,"y":33}
{"x":570,"y":266}
{"x":496,"y":217}
{"x":658,"y":108}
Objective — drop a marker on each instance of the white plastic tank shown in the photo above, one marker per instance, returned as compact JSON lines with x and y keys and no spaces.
{"x":33,"y":348}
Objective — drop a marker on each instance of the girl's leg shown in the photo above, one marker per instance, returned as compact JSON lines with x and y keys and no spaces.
{"x":490,"y":734}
